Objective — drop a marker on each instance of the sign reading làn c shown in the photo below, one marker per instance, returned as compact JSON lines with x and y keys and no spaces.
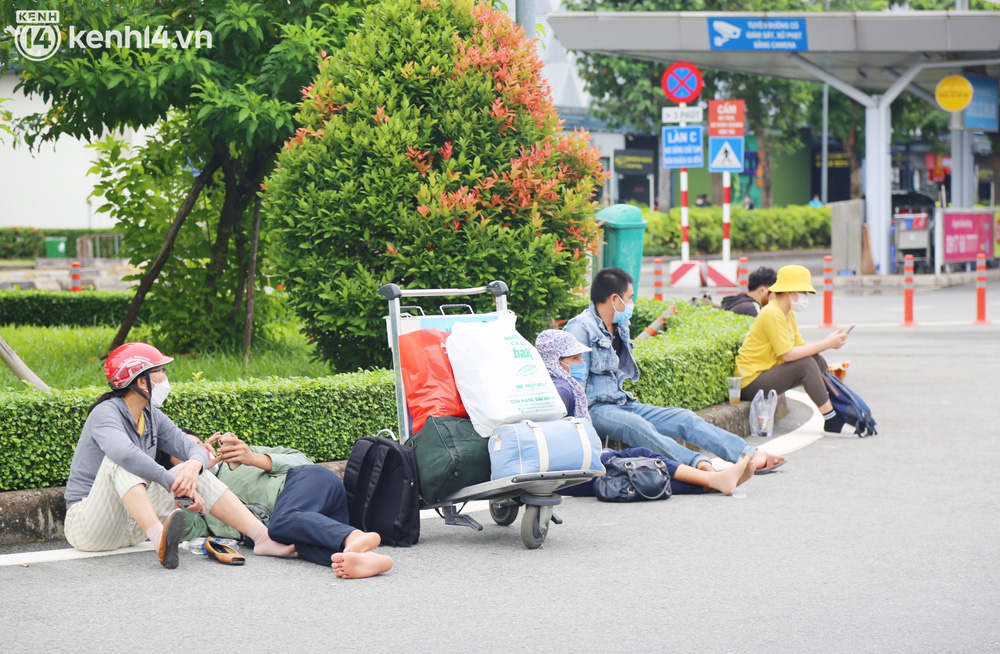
{"x":953,"y":93}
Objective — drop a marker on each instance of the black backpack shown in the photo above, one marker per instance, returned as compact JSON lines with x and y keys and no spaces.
{"x":383,"y":490}
{"x":850,"y":407}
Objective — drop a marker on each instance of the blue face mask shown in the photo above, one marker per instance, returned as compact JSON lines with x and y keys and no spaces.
{"x":622,"y":317}
{"x":578,"y":371}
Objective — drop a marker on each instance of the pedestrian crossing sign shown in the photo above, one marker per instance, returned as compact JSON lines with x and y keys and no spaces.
{"x":725,"y":154}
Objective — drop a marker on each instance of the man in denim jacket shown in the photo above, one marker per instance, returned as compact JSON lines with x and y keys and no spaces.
{"x":616,"y":413}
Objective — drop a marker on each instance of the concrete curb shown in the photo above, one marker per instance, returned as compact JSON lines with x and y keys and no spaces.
{"x":37,"y":515}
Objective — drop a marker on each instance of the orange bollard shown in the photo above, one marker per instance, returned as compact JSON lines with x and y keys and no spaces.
{"x":908,"y":292}
{"x":981,"y":291}
{"x":658,"y":280}
{"x":743,"y":275}
{"x":76,"y":277}
{"x":828,"y":293}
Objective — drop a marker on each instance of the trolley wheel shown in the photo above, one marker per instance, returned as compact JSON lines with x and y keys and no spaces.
{"x":504,"y":515}
{"x":533,"y":532}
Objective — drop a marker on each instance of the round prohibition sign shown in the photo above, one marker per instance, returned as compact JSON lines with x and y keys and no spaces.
{"x":682,"y":82}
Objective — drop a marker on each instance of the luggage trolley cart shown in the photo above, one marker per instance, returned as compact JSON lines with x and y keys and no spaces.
{"x":536,"y":492}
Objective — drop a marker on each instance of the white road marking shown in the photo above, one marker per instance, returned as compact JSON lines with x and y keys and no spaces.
{"x":920,"y":323}
{"x":49,"y":556}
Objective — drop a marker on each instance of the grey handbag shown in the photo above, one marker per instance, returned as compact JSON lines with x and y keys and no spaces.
{"x":633,"y":479}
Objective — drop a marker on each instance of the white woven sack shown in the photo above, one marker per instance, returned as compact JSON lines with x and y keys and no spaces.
{"x":500,"y":376}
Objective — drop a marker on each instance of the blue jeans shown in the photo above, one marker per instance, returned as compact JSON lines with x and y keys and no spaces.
{"x":642,"y":425}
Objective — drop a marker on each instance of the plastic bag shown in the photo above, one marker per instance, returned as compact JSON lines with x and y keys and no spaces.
{"x":762,"y":413}
{"x":500,"y":375}
{"x":428,"y":378}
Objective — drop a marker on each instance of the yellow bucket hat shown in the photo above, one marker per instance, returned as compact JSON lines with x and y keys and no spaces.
{"x":793,"y":279}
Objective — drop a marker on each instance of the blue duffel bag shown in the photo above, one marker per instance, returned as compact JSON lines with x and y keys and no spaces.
{"x":528,"y":447}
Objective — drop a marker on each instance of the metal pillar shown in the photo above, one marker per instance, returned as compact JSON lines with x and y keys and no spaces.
{"x":524,"y":12}
{"x":824,"y":172}
{"x":968,"y":181}
{"x":957,"y":190}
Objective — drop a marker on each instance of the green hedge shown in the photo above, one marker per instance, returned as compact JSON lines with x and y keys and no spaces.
{"x":757,"y":230}
{"x":322,"y":417}
{"x":685,"y":366}
{"x":55,"y":308}
{"x":29,"y":242}
{"x":21,"y":243}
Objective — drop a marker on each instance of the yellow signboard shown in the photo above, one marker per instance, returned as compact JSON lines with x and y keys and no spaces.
{"x":953,"y":93}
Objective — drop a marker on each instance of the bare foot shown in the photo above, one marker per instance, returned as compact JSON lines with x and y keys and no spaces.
{"x":747,"y":471}
{"x":763,"y":460}
{"x":730,"y":478}
{"x":361,"y":541}
{"x":271,"y":548}
{"x":354,"y":565}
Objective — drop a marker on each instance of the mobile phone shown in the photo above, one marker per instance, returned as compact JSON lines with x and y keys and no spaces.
{"x":184,"y":501}
{"x":853,"y":325}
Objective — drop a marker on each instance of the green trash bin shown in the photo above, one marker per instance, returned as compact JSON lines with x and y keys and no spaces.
{"x":624,"y":229}
{"x":55,"y":247}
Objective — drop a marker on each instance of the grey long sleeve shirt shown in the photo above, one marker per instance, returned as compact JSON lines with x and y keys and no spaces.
{"x":109,"y":432}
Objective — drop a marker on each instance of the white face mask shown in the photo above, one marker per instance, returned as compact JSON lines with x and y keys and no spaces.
{"x":159,"y":394}
{"x":800,"y":303}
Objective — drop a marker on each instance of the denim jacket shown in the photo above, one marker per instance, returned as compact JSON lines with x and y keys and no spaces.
{"x":606,"y":371}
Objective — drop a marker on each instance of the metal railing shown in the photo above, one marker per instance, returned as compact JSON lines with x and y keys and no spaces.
{"x":99,"y":246}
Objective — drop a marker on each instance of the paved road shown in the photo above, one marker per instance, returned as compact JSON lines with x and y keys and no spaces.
{"x":885,"y":544}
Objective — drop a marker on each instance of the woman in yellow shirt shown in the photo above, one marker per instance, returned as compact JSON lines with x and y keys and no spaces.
{"x":773,"y":354}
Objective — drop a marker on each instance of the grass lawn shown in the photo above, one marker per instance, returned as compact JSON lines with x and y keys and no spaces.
{"x":73,"y":357}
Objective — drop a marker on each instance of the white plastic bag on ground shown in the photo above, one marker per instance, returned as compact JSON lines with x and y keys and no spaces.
{"x":762,"y":413}
{"x":500,"y":376}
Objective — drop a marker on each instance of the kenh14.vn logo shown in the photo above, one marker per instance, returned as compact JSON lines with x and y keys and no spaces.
{"x":37,"y":36}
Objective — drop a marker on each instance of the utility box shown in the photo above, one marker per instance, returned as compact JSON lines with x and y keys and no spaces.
{"x":624,"y":230}
{"x":846,"y":225}
{"x":55,"y":247}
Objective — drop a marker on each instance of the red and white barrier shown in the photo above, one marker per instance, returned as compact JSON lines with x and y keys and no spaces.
{"x":908,"y":292}
{"x":725,"y":215}
{"x":981,"y":291}
{"x":685,"y":245}
{"x":722,"y":274}
{"x":76,"y":277}
{"x":685,"y":274}
{"x":827,"y":294}
{"x":658,"y":280}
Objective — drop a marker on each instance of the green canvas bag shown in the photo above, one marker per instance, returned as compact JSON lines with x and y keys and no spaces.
{"x":450,"y":456}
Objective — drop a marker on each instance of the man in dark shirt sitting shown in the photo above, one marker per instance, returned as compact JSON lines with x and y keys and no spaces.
{"x":750,"y":303}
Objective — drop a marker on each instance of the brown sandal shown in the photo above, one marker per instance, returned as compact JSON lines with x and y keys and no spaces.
{"x":223,"y":553}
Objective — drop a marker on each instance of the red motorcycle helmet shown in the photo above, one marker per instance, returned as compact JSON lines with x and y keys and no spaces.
{"x":131,"y":360}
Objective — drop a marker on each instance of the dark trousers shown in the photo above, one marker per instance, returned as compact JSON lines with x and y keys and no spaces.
{"x":808,"y":372}
{"x":311,"y":513}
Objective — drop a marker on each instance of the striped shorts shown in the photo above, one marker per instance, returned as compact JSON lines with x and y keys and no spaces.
{"x":100,"y":521}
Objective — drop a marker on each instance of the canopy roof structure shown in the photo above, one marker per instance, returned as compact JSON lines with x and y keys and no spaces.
{"x":856,"y":47}
{"x":870,"y":56}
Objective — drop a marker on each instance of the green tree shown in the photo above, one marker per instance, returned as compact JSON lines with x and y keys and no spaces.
{"x":430,"y":155}
{"x":227,"y":109}
{"x":626,"y":92}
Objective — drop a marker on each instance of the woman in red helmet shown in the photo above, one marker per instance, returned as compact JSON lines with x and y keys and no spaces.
{"x":117,"y":495}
